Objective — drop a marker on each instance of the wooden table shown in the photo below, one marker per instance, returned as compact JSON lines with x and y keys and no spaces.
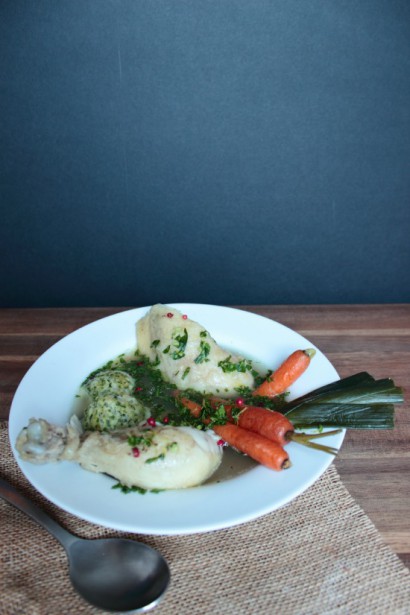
{"x":374,"y":466}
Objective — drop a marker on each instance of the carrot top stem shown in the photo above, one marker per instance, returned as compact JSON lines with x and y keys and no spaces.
{"x":310,"y":352}
{"x":299,"y":436}
{"x":306,"y":440}
{"x":320,"y":447}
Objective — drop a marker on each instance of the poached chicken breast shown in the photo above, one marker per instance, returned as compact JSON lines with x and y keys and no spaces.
{"x":188,"y":356}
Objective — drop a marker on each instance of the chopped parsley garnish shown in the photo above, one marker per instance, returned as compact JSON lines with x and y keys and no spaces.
{"x":229,"y":366}
{"x":180,"y":342}
{"x":125,"y":489}
{"x":186,"y":372}
{"x":243,"y":390}
{"x":136,"y":440}
{"x":204,"y":352}
{"x":218,"y":417}
{"x":155,"y":343}
{"x":157,"y":458}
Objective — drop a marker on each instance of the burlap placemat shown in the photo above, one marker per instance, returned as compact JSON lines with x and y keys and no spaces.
{"x":320,"y":554}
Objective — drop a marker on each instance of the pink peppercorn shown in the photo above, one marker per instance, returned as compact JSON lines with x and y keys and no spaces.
{"x":138,"y":389}
{"x":221,"y":442}
{"x":170,"y":314}
{"x":240,"y":402}
{"x":184,"y":316}
{"x":151,"y":421}
{"x":135,"y":452}
{"x":165,"y":420}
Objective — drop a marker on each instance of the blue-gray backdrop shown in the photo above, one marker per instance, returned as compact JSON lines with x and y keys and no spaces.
{"x":218,"y":151}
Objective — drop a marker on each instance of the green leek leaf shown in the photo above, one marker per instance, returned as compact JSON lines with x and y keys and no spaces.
{"x":351,"y":416}
{"x":355,"y":402}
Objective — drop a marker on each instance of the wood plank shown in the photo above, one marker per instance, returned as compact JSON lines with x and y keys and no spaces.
{"x":17,"y":345}
{"x":382,"y":487}
{"x":50,"y":321}
{"x":11,"y":374}
{"x":405,"y":558}
{"x":312,"y":317}
{"x":337,"y":317}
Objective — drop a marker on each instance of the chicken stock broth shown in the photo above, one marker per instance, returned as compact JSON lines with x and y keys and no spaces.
{"x":159,"y":399}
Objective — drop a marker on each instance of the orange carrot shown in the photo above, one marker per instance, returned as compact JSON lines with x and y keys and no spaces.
{"x":277,"y":428}
{"x":268,"y":423}
{"x":290,"y":370}
{"x":266,"y":452}
{"x":194,"y":408}
{"x":271,"y":426}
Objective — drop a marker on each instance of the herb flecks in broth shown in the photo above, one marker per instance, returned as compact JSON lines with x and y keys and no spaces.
{"x":161,"y":398}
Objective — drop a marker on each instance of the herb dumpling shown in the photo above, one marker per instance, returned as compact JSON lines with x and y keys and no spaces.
{"x":109,"y":411}
{"x":113,"y":381}
{"x":188,"y":356}
{"x":110,"y":403}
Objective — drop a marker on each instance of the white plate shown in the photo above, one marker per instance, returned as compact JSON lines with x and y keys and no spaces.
{"x":48,"y":391}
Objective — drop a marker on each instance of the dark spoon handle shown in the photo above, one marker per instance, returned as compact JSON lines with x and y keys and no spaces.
{"x":17,"y":499}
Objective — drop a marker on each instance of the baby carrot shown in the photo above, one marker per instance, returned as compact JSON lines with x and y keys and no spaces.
{"x":194,"y":408}
{"x":268,"y":423}
{"x":259,"y":433}
{"x":290,"y":370}
{"x":276,"y":427}
{"x":266,"y":452}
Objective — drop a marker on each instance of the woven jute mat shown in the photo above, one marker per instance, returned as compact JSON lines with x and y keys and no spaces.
{"x":319,"y":555}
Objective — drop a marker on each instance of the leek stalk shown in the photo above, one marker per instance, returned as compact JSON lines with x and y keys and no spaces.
{"x":355,"y":402}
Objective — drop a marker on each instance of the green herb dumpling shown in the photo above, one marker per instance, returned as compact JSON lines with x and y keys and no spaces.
{"x":109,"y":411}
{"x":113,"y":380}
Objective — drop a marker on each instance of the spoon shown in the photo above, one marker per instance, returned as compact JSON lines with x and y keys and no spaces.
{"x":114,"y":574}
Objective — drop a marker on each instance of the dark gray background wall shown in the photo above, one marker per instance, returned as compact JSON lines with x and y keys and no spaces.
{"x":219,"y":151}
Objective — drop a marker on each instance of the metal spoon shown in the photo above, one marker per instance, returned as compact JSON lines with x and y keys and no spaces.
{"x":114,"y":574}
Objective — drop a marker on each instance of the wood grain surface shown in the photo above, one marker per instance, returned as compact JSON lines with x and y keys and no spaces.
{"x":374,"y":465}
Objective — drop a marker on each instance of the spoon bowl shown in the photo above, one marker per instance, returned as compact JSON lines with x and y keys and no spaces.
{"x":114,"y":574}
{"x":117,"y":574}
